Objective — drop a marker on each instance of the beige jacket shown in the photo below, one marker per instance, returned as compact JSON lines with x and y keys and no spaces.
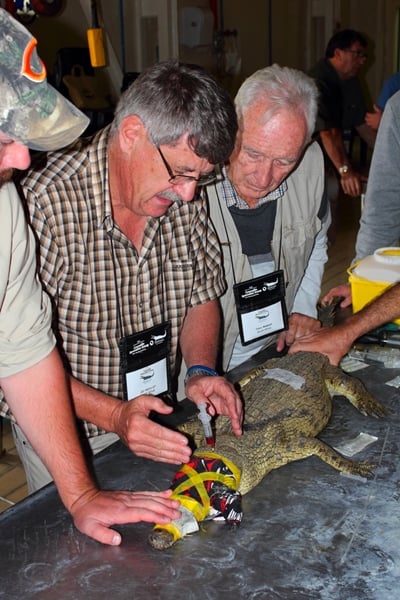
{"x":304,"y":244}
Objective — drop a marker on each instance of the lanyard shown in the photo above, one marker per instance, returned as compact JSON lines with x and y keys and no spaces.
{"x":117,"y":296}
{"x":144,"y":355}
{"x":229,"y":243}
{"x":260,"y":302}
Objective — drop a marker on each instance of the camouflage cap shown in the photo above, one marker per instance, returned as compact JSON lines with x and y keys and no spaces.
{"x":32,"y":112}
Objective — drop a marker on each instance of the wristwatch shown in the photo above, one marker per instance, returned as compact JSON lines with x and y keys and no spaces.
{"x":343,"y":169}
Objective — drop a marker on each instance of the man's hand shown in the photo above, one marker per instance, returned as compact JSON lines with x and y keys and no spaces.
{"x":374,"y":118}
{"x":334,"y":342}
{"x":146,"y":438}
{"x":351,"y":182}
{"x":96,"y":512}
{"x":221,"y":397}
{"x":340,"y":291}
{"x":299,"y":325}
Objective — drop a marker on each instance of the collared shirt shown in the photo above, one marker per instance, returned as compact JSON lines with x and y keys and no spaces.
{"x":330,"y":99}
{"x":96,"y":276}
{"x":232,"y":198}
{"x":301,"y":241}
{"x":25,"y":315}
{"x":341,"y":102}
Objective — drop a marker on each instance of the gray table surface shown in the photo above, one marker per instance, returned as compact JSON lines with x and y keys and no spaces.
{"x":307,"y":533}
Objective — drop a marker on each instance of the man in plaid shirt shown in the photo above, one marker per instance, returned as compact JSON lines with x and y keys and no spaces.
{"x":126,"y":246}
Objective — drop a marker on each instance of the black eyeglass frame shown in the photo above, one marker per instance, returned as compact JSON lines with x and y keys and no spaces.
{"x":177,"y":179}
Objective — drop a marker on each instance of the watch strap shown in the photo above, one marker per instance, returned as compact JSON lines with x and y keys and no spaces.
{"x":199,"y":370}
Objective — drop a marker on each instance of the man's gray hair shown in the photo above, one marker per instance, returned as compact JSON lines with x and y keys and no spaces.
{"x":280,"y":87}
{"x":173,"y":99}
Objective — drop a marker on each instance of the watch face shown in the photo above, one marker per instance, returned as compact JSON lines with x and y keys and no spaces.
{"x":343,"y":169}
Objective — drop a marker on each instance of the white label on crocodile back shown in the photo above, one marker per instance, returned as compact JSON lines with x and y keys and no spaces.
{"x":284,"y":376}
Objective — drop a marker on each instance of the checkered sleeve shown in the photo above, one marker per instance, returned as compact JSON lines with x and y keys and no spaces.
{"x":209,"y":282}
{"x":50,"y":253}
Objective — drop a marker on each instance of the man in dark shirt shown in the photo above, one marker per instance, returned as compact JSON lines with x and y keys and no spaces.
{"x":341,"y":108}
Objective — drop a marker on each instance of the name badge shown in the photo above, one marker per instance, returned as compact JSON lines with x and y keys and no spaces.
{"x":144,"y":362}
{"x":260,"y":306}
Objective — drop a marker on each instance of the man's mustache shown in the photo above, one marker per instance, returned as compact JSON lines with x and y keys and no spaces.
{"x":172,"y":196}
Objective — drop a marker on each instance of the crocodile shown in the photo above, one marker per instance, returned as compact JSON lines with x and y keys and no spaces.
{"x":287,"y":403}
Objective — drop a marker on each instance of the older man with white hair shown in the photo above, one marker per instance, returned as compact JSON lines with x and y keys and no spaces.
{"x":271,"y":216}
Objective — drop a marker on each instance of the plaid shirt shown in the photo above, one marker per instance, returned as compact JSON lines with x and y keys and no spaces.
{"x":178,"y":266}
{"x":232,"y":198}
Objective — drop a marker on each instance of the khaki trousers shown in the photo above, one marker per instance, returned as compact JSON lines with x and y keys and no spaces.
{"x":36,"y":473}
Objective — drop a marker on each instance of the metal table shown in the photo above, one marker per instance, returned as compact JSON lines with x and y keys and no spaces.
{"x":307,"y":532}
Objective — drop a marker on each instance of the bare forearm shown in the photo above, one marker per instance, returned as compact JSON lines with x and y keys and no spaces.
{"x":131,"y":422}
{"x":40,"y":401}
{"x":199,"y":345}
{"x":93,"y":405}
{"x":350,"y":180}
{"x":334,"y":147}
{"x":336,"y":341}
{"x":368,"y":134}
{"x":384,"y":309}
{"x":200,"y":335}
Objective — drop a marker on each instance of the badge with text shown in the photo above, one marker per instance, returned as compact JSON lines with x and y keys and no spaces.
{"x":261,"y":307}
{"x":144,"y":359}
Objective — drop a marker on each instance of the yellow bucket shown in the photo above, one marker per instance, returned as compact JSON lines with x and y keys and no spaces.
{"x":370,"y":276}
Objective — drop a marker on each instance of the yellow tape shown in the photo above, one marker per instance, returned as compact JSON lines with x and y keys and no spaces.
{"x":197,"y":480}
{"x":200,"y":511}
{"x":237,"y":473}
{"x":172,"y":528}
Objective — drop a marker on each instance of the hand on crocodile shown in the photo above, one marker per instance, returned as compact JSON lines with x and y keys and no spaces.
{"x":146,"y":438}
{"x":340,"y":291}
{"x":331,"y":341}
{"x":288,"y":403}
{"x":221,"y":397}
{"x":95,"y":512}
{"x":299,"y":325}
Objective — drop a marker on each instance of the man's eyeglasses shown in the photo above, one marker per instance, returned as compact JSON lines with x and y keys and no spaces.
{"x":358,"y":53}
{"x":179,"y":179}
